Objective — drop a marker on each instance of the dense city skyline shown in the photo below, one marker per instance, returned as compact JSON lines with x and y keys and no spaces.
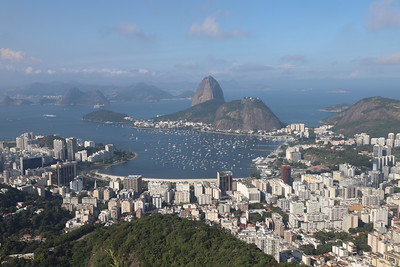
{"x":337,"y":45}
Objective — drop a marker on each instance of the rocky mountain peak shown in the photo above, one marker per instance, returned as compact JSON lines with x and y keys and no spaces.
{"x":207,"y":90}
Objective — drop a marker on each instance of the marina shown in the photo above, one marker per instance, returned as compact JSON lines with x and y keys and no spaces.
{"x":163,"y":153}
{"x":190,"y":154}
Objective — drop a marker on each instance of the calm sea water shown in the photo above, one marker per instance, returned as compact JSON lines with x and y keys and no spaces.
{"x":169,"y":154}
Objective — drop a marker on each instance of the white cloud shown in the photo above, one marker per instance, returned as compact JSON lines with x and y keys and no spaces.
{"x":383,"y":14}
{"x":131,"y":29}
{"x":104,"y":71}
{"x":392,"y":59}
{"x":11,"y":55}
{"x":31,"y":70}
{"x":293,"y":58}
{"x":211,"y":28}
{"x":143,"y":71}
{"x":303,"y":90}
{"x":127,"y":28}
{"x":356,"y":74}
{"x":110,"y":71}
{"x":339,"y":91}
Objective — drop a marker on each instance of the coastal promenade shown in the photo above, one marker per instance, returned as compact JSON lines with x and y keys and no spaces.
{"x":104,"y":176}
{"x":108,"y":177}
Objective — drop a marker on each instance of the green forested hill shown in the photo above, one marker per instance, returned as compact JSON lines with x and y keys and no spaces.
{"x":376,"y":116}
{"x":157,"y":240}
{"x":171,"y":241}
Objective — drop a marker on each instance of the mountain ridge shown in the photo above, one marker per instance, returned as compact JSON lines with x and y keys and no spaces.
{"x":75,"y":97}
{"x":8,"y":101}
{"x":106,"y":116}
{"x":247,"y":114}
{"x":373,"y":115}
{"x":140,"y":92}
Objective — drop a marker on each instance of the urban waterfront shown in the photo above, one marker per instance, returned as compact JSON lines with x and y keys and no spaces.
{"x":162,"y":153}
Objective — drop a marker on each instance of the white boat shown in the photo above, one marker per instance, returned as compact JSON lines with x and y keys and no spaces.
{"x":49,"y":115}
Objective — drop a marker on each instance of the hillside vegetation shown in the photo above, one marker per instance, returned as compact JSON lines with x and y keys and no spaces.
{"x":376,"y":116}
{"x":245,"y":114}
{"x":157,"y":240}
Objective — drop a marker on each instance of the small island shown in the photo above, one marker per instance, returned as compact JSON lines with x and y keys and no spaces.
{"x":107,"y":116}
{"x":335,"y":108}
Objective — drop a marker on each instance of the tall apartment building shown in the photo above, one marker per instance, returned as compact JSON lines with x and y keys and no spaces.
{"x":133,"y":182}
{"x":72,"y":148}
{"x":63,"y":173}
{"x":286,"y":174}
{"x":59,"y":149}
{"x":225,"y":181}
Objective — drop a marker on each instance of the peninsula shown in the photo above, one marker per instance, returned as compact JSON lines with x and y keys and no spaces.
{"x":208,"y":106}
{"x":107,"y":116}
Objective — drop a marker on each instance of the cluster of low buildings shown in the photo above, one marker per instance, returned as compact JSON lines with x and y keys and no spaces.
{"x":296,"y":129}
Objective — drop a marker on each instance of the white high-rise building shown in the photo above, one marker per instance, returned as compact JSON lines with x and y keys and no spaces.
{"x":249,"y":191}
{"x":380,"y":214}
{"x":313,"y":206}
{"x":182,"y":186}
{"x":269,"y":245}
{"x":89,"y":144}
{"x":204,"y":199}
{"x":72,"y":148}
{"x":337,"y":213}
{"x":59,"y":149}
{"x":76,"y":185}
{"x":182,"y":197}
{"x":110,"y":149}
{"x":198,"y":189}
{"x":297,"y":207}
{"x":157,"y":201}
{"x":127,"y":206}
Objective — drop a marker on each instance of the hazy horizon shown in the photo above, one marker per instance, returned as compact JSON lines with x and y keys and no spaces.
{"x":268,"y":45}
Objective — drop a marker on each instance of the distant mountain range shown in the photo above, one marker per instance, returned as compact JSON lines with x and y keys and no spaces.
{"x":75,"y":97}
{"x":208,"y":106}
{"x":140,"y":92}
{"x":8,"y":101}
{"x":72,"y":93}
{"x":376,"y":116}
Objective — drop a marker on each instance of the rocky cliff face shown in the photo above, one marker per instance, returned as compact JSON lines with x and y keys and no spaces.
{"x":374,"y":115}
{"x":208,"y":106}
{"x":246,"y":114}
{"x":207,"y":90}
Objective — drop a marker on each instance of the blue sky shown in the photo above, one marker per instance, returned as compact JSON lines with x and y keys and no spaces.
{"x":338,"y":45}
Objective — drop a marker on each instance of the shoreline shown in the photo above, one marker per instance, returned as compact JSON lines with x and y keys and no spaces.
{"x":108,"y":177}
{"x":98,"y":174}
{"x":108,"y":122}
{"x":108,"y":165}
{"x":280,"y":138}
